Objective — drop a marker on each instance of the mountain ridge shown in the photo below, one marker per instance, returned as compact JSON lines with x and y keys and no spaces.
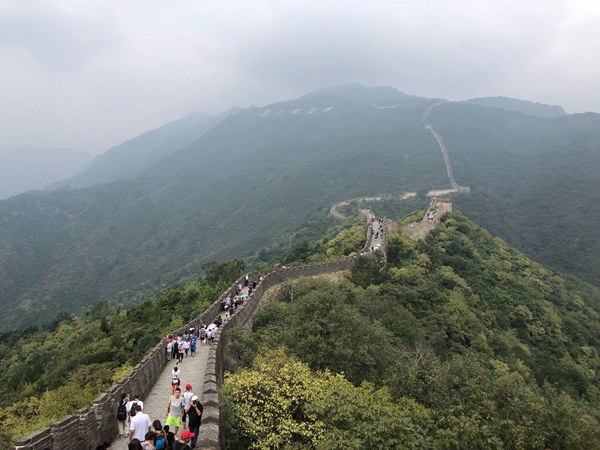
{"x":518,"y":105}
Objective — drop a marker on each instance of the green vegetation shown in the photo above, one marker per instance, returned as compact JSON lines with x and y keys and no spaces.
{"x":53,"y":370}
{"x":533,"y":181}
{"x":256,"y":175}
{"x":234,"y":191}
{"x":522,"y":106}
{"x":458,"y":342}
{"x":138,"y":154}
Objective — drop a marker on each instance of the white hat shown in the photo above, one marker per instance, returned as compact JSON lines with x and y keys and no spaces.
{"x":194,"y":398}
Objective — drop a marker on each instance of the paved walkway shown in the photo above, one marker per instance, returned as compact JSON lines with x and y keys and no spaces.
{"x":192,"y":368}
{"x":192,"y":371}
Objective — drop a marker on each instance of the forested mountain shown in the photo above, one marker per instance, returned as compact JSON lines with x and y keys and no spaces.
{"x":25,"y":169}
{"x":522,"y":106}
{"x":259,"y":173}
{"x":136,"y":155}
{"x":254,"y":176}
{"x":533,"y":181}
{"x":458,"y":342}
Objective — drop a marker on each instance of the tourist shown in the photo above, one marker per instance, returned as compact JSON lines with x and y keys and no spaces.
{"x":175,"y":410}
{"x":180,"y":342}
{"x":106,"y":445}
{"x":169,"y":349}
{"x":140,"y":424}
{"x":175,"y":378}
{"x":170,"y":437}
{"x":122,"y":415}
{"x":173,"y":348}
{"x":131,"y":412}
{"x":202,"y":334}
{"x":148,"y":443}
{"x":194,"y":412}
{"x":187,"y":400}
{"x":160,"y":437}
{"x":193,"y":344}
{"x":183,"y":442}
{"x":135,"y":444}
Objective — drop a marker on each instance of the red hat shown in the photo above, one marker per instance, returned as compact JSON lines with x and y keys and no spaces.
{"x":188,"y":386}
{"x":186,"y":435}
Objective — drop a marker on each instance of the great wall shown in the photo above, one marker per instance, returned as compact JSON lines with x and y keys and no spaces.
{"x":88,"y":426}
{"x":84,"y":429}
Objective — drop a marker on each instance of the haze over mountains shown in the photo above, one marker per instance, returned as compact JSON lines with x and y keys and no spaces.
{"x":27,"y":168}
{"x":247,"y":178}
{"x":137,"y":154}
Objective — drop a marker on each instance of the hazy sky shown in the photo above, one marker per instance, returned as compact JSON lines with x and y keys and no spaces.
{"x":90,"y":74}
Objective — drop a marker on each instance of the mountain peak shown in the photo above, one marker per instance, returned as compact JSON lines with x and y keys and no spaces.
{"x":360,"y":94}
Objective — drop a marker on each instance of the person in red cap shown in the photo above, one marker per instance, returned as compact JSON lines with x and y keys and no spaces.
{"x":187,"y":399}
{"x":183,"y":442}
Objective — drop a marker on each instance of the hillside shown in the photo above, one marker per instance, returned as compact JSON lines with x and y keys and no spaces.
{"x":136,"y":155}
{"x":459,"y":342}
{"x":254,"y":176}
{"x":26,"y":169}
{"x":463,"y":343}
{"x":107,"y":342}
{"x":259,"y":173}
{"x":533,"y":181}
{"x":516,"y":105}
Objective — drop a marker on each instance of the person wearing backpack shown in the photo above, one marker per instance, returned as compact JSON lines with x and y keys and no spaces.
{"x":160,"y":438}
{"x":122,"y":414}
{"x":131,"y":410}
{"x":169,"y":437}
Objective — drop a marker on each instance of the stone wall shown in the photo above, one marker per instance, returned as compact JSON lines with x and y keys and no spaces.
{"x":213,"y":375}
{"x":89,"y":426}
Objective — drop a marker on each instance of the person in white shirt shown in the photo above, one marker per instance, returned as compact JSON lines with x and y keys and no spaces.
{"x":187,"y":400}
{"x":136,"y":401}
{"x":140,"y":425}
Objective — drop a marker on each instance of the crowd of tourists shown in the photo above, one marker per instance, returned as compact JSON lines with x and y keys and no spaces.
{"x":183,"y":412}
{"x":231,"y":302}
{"x":377,"y":233}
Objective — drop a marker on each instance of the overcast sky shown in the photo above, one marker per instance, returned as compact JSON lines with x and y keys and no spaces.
{"x":89,"y":74}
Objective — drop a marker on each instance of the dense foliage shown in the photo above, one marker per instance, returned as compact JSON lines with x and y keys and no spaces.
{"x":533,"y":181}
{"x":458,"y":342}
{"x":53,"y":370}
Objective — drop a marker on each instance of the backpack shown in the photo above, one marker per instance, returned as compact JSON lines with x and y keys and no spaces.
{"x":121,"y":412}
{"x":160,"y":442}
{"x":132,"y":411}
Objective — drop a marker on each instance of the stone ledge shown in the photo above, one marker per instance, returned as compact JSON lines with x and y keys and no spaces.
{"x":211,"y":414}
